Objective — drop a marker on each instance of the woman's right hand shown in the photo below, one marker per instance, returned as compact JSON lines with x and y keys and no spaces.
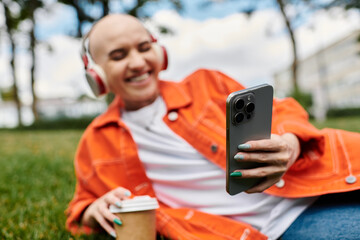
{"x":98,"y":212}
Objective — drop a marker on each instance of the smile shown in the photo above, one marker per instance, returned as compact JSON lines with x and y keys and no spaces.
{"x":140,"y":78}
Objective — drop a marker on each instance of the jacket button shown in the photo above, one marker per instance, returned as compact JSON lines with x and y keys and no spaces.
{"x":281,"y":183}
{"x":214,"y":148}
{"x":350,"y":179}
{"x":173,"y":116}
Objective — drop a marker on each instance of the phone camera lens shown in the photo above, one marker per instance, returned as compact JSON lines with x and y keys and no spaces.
{"x":250,"y":107}
{"x":239,"y":104}
{"x":239,"y":117}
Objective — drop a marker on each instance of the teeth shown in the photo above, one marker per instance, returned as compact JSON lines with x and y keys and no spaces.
{"x":139,"y":78}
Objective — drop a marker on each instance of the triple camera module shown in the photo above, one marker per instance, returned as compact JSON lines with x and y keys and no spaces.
{"x":244,"y":107}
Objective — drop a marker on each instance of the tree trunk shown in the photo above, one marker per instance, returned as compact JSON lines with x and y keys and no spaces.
{"x":294,"y":49}
{"x":12,"y":63}
{"x":32,"y":72}
{"x":15,"y":86}
{"x":106,"y":7}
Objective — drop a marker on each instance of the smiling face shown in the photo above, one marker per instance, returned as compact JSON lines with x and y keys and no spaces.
{"x":124,"y":49}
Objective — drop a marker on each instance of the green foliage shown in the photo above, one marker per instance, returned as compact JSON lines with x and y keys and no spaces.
{"x":59,"y":124}
{"x":303,"y":98}
{"x":7,"y":94}
{"x":110,"y":97}
{"x":343,"y":112}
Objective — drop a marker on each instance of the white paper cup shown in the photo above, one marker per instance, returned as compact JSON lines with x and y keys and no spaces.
{"x":138,"y":218}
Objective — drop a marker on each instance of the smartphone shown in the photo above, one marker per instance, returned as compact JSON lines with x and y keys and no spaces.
{"x":248,"y":117}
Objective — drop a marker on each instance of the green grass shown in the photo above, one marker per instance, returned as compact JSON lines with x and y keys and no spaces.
{"x":37,"y":180}
{"x":347,"y":123}
{"x":36,"y":183}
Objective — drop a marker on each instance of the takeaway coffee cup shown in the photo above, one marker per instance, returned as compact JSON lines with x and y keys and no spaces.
{"x":138,"y":218}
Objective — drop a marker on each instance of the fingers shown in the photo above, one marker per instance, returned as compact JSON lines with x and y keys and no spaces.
{"x":115,"y":196}
{"x":278,"y":150}
{"x":274,"y":158}
{"x":267,"y":145}
{"x":122,"y":193}
{"x":271,"y":158}
{"x":100,"y":213}
{"x":265,"y":184}
{"x":105,"y":222}
{"x":260,"y":172}
{"x":270,"y":176}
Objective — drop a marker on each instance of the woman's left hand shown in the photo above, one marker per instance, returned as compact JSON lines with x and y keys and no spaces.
{"x":278,"y":153}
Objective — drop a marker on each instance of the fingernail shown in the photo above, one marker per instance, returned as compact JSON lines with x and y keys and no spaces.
{"x":127,"y":193}
{"x":235,"y":174}
{"x":239,"y":157}
{"x":118,"y":204}
{"x":117,"y":221}
{"x":113,"y":234}
{"x":244,"y":146}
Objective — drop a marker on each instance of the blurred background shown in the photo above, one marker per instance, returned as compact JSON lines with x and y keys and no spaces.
{"x":308,"y":49}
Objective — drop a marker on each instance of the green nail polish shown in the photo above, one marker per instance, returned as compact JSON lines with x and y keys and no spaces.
{"x":239,"y":157}
{"x":127,"y":193}
{"x":235,"y":174}
{"x":244,"y":146}
{"x":117,"y":221}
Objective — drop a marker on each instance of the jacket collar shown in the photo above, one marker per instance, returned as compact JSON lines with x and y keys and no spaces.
{"x":173,"y":94}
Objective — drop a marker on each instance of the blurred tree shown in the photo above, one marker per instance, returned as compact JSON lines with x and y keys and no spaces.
{"x":289,"y":28}
{"x":282,"y":4}
{"x":300,"y":10}
{"x":17,"y":12}
{"x":7,"y":94}
{"x":82,"y":15}
{"x":12,"y":20}
{"x":28,"y":8}
{"x":346,"y":4}
{"x":83,"y":7}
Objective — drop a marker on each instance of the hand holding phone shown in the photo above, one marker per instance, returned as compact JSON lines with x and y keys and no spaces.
{"x":248,"y":117}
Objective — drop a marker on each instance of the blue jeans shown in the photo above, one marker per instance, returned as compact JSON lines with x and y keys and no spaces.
{"x":331,"y":217}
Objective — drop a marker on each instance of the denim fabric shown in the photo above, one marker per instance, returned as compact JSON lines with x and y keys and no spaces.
{"x":331,"y":217}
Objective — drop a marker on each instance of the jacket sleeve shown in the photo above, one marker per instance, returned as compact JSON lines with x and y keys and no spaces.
{"x":106,"y":158}
{"x":290,"y":117}
{"x":82,"y":196}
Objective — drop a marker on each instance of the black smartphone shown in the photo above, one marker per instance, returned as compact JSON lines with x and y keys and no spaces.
{"x":248,"y":117}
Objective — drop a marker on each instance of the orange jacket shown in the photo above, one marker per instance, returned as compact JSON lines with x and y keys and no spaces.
{"x":107,"y":156}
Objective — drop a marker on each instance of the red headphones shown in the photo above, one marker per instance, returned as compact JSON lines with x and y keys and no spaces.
{"x":95,"y":75}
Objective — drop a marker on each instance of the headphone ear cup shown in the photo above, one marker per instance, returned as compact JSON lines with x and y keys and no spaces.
{"x":95,"y":76}
{"x":162,"y":55}
{"x":165,"y":58}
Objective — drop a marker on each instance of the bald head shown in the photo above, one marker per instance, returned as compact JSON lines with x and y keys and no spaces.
{"x":128,"y":58}
{"x":108,"y":29}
